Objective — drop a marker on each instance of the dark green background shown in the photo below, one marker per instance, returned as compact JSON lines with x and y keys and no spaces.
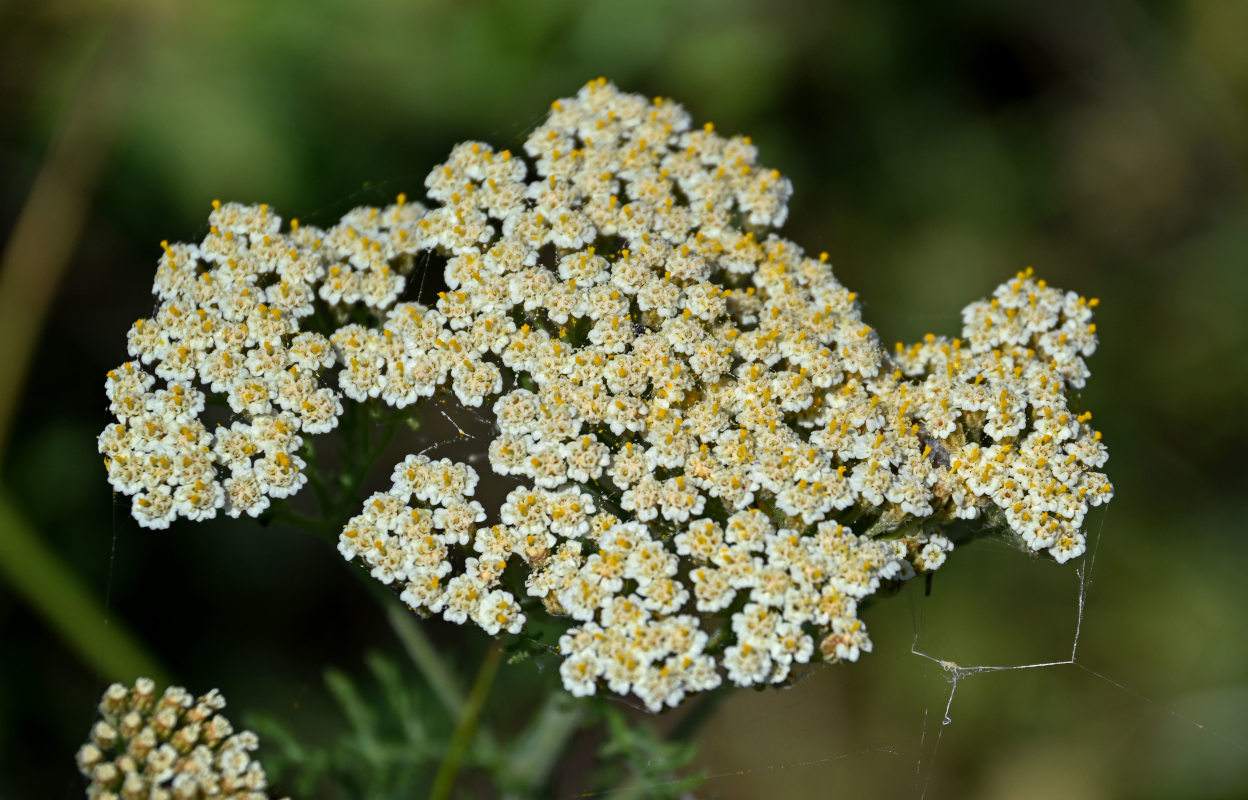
{"x":935,"y":149}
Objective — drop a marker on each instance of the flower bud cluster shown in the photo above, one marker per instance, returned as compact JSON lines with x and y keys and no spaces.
{"x":692,"y":407}
{"x":168,"y":747}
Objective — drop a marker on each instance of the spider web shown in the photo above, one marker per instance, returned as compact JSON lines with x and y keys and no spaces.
{"x":875,"y":765}
{"x":955,"y":673}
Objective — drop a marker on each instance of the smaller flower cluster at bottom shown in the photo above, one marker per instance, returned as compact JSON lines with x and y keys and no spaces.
{"x":168,"y":747}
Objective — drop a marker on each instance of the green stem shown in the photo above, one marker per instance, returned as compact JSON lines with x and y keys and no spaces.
{"x":383,"y":441}
{"x":427,"y":660}
{"x":462,"y":737}
{"x":855,"y":512}
{"x":539,"y":748}
{"x":46,"y":233}
{"x":323,"y":501}
{"x":56,"y":594}
{"x":359,"y":448}
{"x":359,"y":456}
{"x":283,"y":513}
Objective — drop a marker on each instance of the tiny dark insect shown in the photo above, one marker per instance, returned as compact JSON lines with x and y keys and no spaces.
{"x":939,"y":454}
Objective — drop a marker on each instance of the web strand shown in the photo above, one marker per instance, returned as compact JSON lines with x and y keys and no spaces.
{"x":956,"y":672}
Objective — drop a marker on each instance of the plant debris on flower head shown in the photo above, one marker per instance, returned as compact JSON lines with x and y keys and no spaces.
{"x":694,"y":408}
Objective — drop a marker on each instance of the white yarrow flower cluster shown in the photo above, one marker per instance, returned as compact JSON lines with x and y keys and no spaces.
{"x":692,"y":406}
{"x":227,"y":328}
{"x":169,"y":746}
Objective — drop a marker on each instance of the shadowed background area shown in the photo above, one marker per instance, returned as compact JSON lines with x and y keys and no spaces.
{"x":933,"y":154}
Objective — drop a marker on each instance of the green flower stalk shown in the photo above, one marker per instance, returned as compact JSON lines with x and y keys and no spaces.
{"x":711,"y":458}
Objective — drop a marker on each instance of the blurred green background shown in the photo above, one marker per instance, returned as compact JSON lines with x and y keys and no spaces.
{"x":935,"y":149}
